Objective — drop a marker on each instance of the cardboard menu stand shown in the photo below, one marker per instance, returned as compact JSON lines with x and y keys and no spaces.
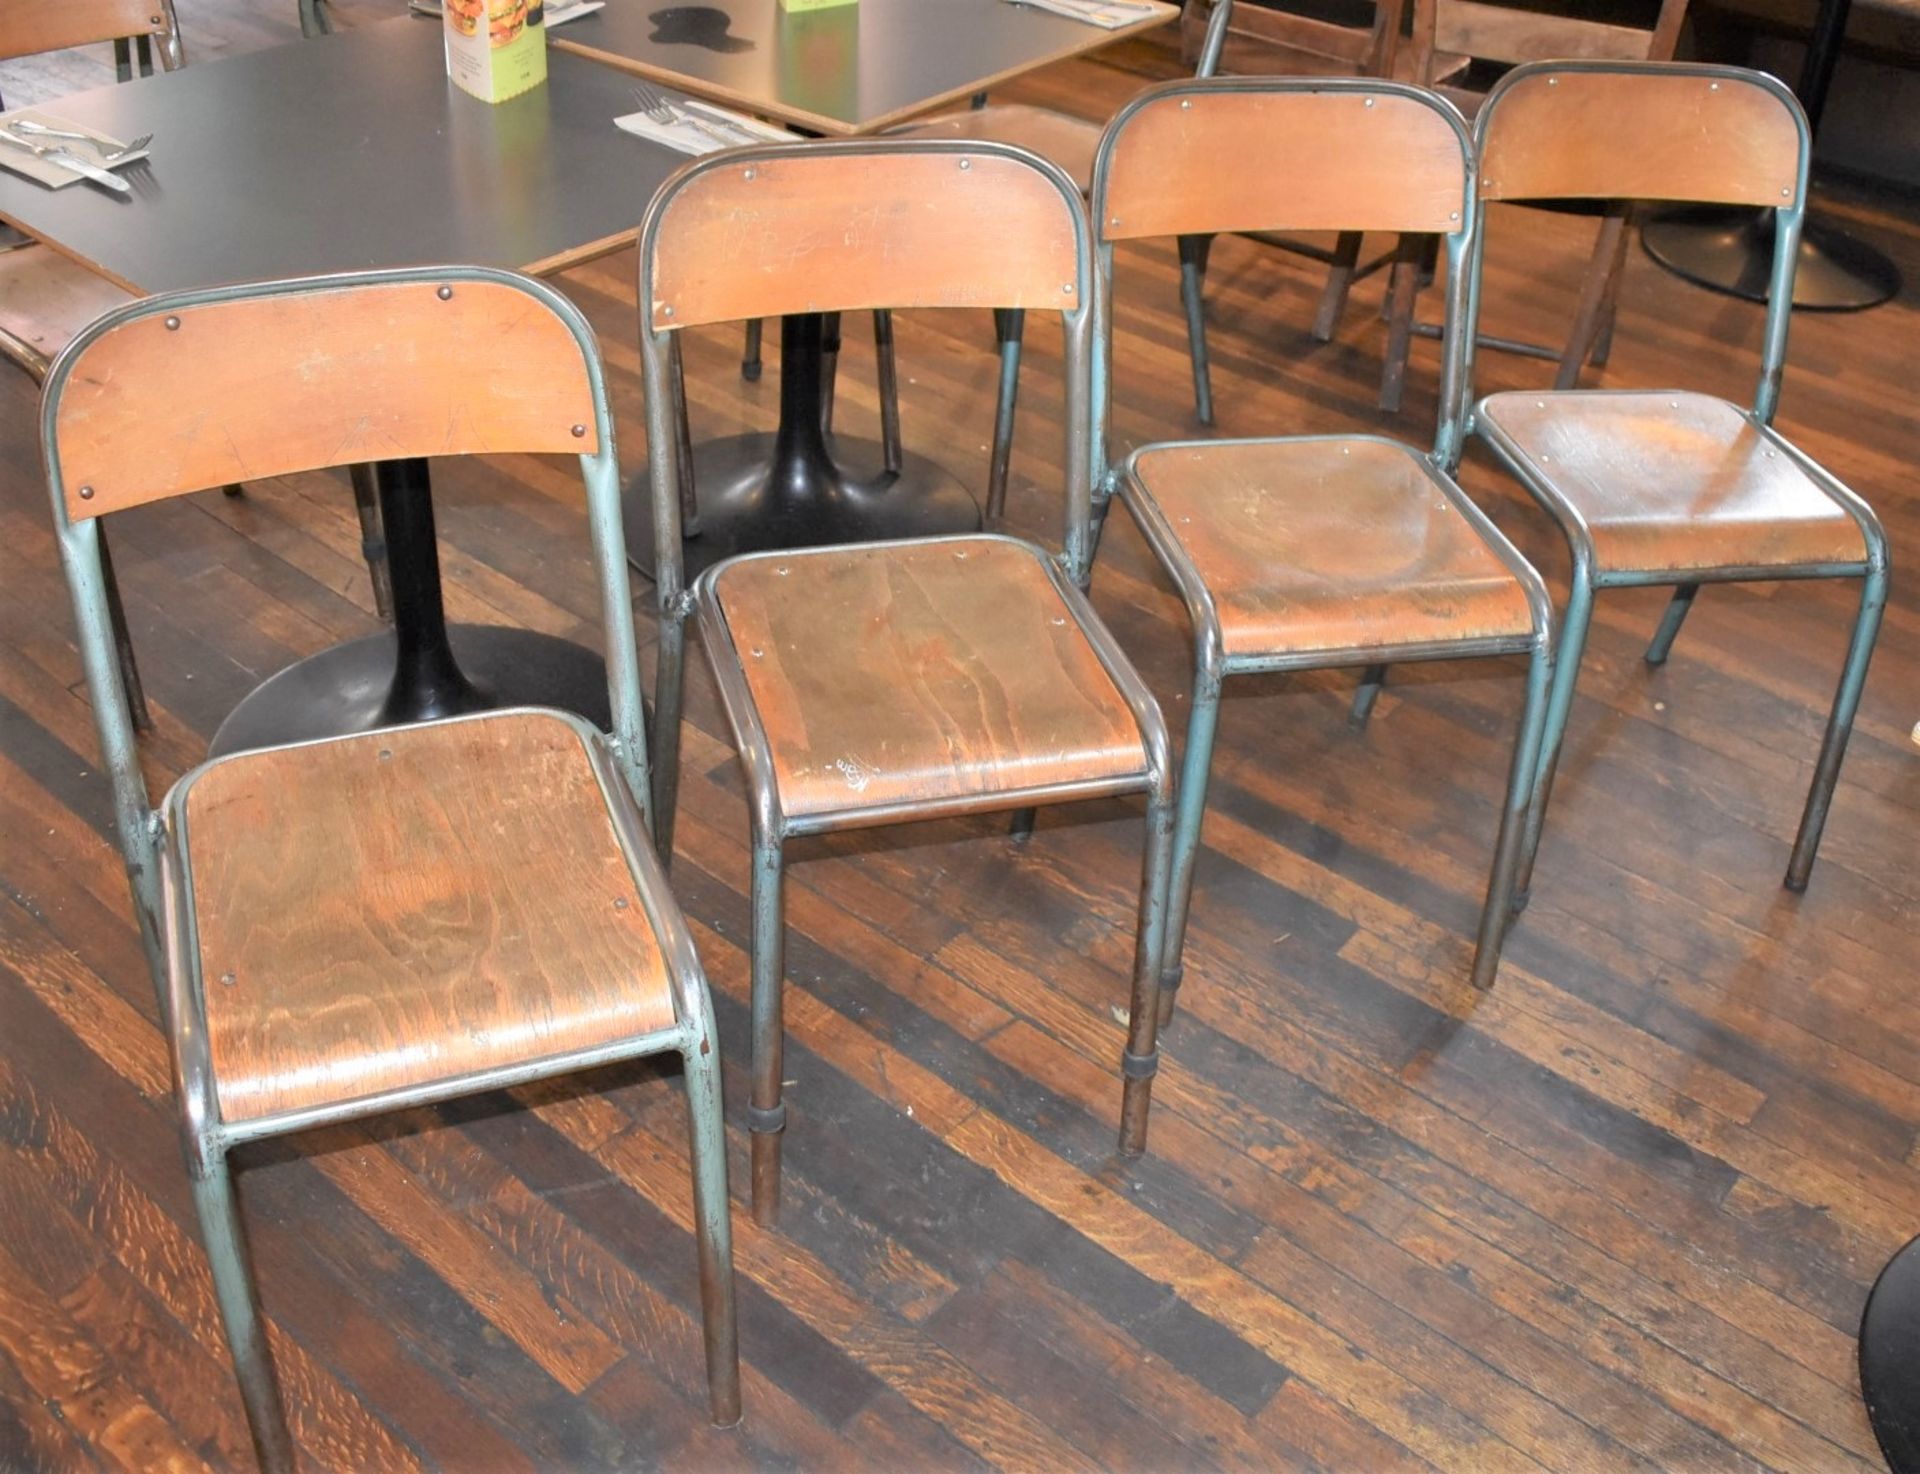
{"x":496,"y":49}
{"x":814,"y":4}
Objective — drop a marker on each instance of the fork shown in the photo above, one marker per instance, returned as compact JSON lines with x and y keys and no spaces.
{"x":657,"y":107}
{"x":41,"y":130}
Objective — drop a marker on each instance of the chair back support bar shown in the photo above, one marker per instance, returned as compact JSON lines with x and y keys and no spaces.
{"x":1294,"y":153}
{"x":266,"y":379}
{"x":1231,"y":155}
{"x":161,"y":403}
{"x":826,"y":229}
{"x":1653,"y":132}
{"x":28,"y":27}
{"x":855,"y":224}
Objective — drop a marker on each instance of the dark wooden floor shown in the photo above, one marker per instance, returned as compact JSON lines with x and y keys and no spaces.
{"x":1620,"y":1212}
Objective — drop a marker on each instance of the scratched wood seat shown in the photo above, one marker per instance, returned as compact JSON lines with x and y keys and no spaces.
{"x":1070,"y":142}
{"x":1672,"y":487}
{"x":893,"y":681}
{"x":1311,"y":552}
{"x":355,"y":925}
{"x":46,"y":298}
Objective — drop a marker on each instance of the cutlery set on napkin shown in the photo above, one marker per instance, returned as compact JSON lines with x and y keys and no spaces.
{"x":57,"y":153}
{"x":1109,"y":15}
{"x":693,"y":127}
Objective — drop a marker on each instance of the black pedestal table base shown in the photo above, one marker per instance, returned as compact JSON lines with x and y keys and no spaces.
{"x":793,"y":489}
{"x":346,"y":689}
{"x":1890,"y":1360}
{"x":1731,"y":251}
{"x":415,"y":673}
{"x":743,"y":511}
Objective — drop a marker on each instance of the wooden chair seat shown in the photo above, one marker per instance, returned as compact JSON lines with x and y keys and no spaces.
{"x":390,"y":910}
{"x":922,"y":672}
{"x":45,"y":299}
{"x":1329,"y":545}
{"x":1059,"y":137}
{"x":1669,"y":481}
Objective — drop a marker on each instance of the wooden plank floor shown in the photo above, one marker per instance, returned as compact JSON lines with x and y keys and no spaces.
{"x":1620,"y":1212}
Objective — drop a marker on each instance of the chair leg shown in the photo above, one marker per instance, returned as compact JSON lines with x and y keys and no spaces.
{"x":233,"y":1290}
{"x":373,"y":538}
{"x":1193,"y":281}
{"x":1846,"y":701}
{"x":713,"y":1223}
{"x":1596,"y":291}
{"x":1333,"y":298}
{"x":1566,"y":670}
{"x":1141,"y":1058}
{"x":1522,"y":778}
{"x":313,"y":19}
{"x":1403,"y":285}
{"x":829,"y":368}
{"x":669,"y":681}
{"x":1196,"y":763}
{"x":1670,"y":622}
{"x":766,"y":1114}
{"x":683,"y":437}
{"x":750,"y":354}
{"x":123,"y":641}
{"x":1368,"y":692}
{"x":887,"y":373}
{"x":1008,"y":326}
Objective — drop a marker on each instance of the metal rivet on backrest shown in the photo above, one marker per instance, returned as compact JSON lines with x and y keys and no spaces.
{"x":173,"y":324}
{"x":444,"y":293}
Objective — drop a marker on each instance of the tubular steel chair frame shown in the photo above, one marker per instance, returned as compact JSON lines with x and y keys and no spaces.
{"x":1588,"y":574}
{"x":1212,"y":664}
{"x":154,"y":845}
{"x":771,"y":826}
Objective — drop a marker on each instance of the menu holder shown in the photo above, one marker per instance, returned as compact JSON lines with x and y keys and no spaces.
{"x":496,"y":49}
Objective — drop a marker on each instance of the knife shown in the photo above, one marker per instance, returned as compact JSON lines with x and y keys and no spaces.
{"x":67,"y":159}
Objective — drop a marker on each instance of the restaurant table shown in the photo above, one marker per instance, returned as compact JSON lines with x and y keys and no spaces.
{"x":348,"y":152}
{"x":847,"y":70}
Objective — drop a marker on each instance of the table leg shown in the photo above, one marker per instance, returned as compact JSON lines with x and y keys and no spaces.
{"x":421,"y":669}
{"x":790,"y":489}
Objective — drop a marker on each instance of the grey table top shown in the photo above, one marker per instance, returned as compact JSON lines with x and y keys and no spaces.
{"x":850,"y":69}
{"x":348,"y":152}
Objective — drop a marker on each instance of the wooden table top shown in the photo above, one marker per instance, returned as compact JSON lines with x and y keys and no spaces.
{"x":344,"y":153}
{"x":852,"y":69}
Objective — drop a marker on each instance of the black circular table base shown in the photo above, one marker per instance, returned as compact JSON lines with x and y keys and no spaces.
{"x":821,"y":503}
{"x":1731,"y":251}
{"x":345,"y":689}
{"x":1890,"y":1359}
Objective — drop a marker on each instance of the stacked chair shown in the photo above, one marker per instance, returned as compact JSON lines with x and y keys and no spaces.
{"x":1308,"y":552}
{"x":353,"y":926}
{"x":884,"y":682}
{"x":1670,"y":487}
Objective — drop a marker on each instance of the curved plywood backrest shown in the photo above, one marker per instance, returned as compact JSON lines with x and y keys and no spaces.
{"x":28,"y":27}
{"x":1648,"y":132}
{"x":170,"y":399}
{"x":830,"y":228}
{"x":1200,"y":158}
